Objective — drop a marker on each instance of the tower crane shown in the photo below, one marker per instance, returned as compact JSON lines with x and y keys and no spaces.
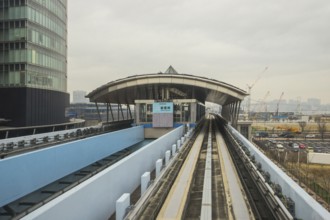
{"x":250,"y":88}
{"x":262,"y":103}
{"x":278,"y":105}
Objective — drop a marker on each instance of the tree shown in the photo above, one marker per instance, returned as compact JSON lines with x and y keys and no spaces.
{"x":302,"y":125}
{"x":322,"y":127}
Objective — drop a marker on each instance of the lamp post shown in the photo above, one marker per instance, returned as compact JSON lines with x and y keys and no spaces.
{"x":298,"y":155}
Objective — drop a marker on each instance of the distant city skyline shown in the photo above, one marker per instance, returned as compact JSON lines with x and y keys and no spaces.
{"x":229,"y":41}
{"x":310,"y":106}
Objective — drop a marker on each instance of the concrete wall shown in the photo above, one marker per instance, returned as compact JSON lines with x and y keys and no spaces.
{"x":306,"y":207}
{"x":319,"y":158}
{"x":96,"y":197}
{"x":25,"y":173}
{"x":156,"y":132}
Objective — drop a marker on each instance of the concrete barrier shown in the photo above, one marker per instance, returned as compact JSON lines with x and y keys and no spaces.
{"x":121,"y":206}
{"x":159,"y":164}
{"x":145,"y":179}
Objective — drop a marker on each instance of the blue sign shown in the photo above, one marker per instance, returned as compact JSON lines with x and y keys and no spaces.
{"x":162,"y":107}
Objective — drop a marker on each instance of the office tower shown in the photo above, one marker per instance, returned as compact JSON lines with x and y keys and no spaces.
{"x":33,"y":62}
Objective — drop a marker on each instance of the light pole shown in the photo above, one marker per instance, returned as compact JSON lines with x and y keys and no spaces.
{"x":298,"y":156}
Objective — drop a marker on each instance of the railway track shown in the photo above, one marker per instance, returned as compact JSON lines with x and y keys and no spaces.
{"x":256,"y":199}
{"x":217,"y":201}
{"x":153,"y":205}
{"x":202,"y":183}
{"x":196,"y":190}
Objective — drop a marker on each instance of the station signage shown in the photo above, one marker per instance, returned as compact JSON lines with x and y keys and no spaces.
{"x":162,"y":107}
{"x":162,"y":116}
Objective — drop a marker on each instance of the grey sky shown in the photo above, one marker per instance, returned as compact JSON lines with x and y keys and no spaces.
{"x":228,"y":40}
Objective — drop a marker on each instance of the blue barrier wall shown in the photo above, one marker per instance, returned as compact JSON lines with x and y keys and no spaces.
{"x":96,"y":197}
{"x":28,"y":172}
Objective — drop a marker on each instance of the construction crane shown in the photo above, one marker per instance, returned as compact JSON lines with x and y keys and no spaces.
{"x":278,"y":106}
{"x":262,"y":103}
{"x":250,"y":88}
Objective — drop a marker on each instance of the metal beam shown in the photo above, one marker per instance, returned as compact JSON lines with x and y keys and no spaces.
{"x":113,"y":119}
{"x":98,"y":111}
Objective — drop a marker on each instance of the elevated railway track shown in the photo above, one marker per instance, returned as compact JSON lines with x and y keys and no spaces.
{"x":210,"y":179}
{"x":212,"y":176}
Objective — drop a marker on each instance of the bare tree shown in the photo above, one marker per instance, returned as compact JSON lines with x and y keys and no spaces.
{"x":322,"y":127}
{"x":302,"y":125}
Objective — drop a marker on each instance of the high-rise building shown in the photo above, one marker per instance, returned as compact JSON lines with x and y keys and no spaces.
{"x":78,"y":96}
{"x":33,"y":61}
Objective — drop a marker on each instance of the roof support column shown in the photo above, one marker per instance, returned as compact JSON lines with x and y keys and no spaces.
{"x":122,"y":113}
{"x":235,"y":113}
{"x":129,"y":111}
{"x":107,"y":112}
{"x":98,"y":111}
{"x":238,"y":109}
{"x":232,"y":113}
{"x":226,"y":113}
{"x":167,"y":93}
{"x":113,"y":119}
{"x":163,"y":93}
{"x":118,"y":112}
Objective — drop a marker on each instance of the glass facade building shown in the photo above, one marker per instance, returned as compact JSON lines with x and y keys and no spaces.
{"x":33,"y":61}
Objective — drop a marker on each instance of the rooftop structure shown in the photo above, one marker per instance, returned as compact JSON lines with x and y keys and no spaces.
{"x":169,"y":86}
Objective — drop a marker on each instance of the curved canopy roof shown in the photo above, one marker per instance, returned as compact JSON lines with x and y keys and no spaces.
{"x":168,"y":85}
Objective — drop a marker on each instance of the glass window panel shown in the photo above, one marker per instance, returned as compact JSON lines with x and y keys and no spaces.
{"x":33,"y":60}
{"x":6,"y":78}
{"x":23,"y":55}
{"x":11,"y":78}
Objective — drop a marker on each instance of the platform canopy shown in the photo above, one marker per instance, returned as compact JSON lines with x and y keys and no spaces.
{"x":167,"y":86}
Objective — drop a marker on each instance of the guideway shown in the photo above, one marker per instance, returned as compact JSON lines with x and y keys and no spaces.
{"x":210,"y":182}
{"x":201,"y":189}
{"x":234,"y":191}
{"x":174,"y":205}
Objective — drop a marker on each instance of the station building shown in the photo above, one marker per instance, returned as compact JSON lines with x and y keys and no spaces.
{"x":163,"y":101}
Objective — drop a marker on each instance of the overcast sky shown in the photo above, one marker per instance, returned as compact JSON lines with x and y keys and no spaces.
{"x":280,"y":45}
